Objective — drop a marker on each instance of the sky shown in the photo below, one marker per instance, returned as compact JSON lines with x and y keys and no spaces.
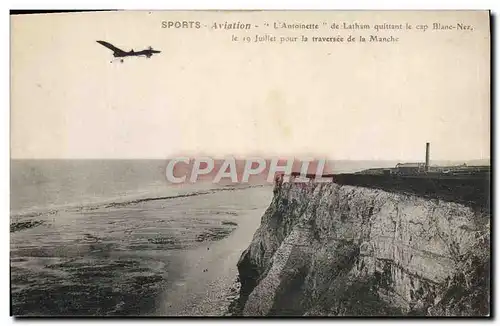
{"x":207,"y":95}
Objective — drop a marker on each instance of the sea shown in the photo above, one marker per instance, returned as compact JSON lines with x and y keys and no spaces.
{"x":38,"y":185}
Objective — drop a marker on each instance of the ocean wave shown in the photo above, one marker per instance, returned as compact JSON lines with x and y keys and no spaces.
{"x":120,"y":202}
{"x":18,"y":226}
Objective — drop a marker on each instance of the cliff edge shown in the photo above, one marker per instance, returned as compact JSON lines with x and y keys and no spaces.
{"x":327,"y":249}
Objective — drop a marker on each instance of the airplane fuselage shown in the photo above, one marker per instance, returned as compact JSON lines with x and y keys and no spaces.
{"x":147,"y":53}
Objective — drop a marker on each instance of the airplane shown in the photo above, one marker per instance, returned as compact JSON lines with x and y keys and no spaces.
{"x":119,"y":53}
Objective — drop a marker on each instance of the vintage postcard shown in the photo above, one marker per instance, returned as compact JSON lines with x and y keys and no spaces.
{"x":250,"y":163}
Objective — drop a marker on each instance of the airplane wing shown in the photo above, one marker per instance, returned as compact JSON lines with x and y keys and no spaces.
{"x":110,"y":46}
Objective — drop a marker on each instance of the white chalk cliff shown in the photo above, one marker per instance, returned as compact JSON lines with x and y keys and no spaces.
{"x":340,"y":250}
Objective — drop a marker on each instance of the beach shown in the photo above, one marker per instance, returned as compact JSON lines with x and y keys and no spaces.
{"x":158,"y":256}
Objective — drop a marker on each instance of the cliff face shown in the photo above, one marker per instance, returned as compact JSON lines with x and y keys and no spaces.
{"x":330,"y":249}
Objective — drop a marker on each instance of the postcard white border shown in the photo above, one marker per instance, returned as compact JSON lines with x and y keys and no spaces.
{"x":194,"y":5}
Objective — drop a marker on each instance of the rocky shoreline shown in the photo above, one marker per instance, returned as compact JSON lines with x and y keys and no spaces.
{"x":133,"y":259}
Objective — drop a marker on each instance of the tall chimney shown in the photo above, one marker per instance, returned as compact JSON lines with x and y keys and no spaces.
{"x":427,"y":155}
